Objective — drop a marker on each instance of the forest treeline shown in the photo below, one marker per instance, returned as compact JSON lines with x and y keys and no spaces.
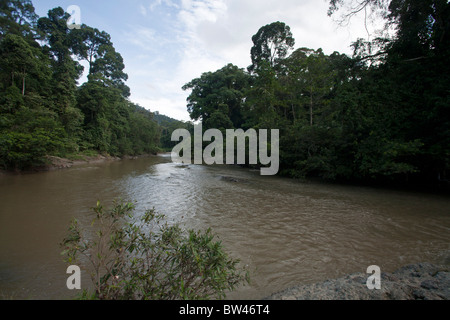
{"x":381,"y":115}
{"x":43,"y":110}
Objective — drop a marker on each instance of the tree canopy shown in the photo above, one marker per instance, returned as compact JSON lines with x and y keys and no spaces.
{"x":44,"y":111}
{"x":271,"y":44}
{"x":380,"y":115}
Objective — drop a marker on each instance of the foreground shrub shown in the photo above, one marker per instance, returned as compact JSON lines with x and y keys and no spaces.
{"x":148,"y":259}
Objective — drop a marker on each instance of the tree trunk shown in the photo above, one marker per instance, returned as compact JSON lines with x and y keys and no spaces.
{"x":293,"y":112}
{"x":23,"y":83}
{"x":311,"y":107}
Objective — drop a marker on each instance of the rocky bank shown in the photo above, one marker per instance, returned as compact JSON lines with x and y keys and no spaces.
{"x":56,"y":163}
{"x":423,"y":281}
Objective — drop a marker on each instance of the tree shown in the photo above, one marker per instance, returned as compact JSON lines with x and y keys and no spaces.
{"x":43,"y":112}
{"x":414,"y":74}
{"x":221,"y":91}
{"x":87,"y":42}
{"x":272,"y":44}
{"x":144,"y":135}
{"x":66,"y":71}
{"x":312,"y":77}
{"x":20,"y":62}
{"x":168,"y":126}
{"x":108,"y":68}
{"x":263,"y":108}
{"x":29,"y":138}
{"x":148,"y":259}
{"x":416,"y":23}
{"x":18,"y":17}
{"x":266,"y":105}
{"x":105,"y":64}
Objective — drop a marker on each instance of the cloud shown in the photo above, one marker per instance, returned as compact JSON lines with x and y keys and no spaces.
{"x":143,"y":10}
{"x":158,"y":3}
{"x":195,"y":11}
{"x":176,"y":109}
{"x":154,"y":4}
{"x":140,"y":36}
{"x":221,"y":30}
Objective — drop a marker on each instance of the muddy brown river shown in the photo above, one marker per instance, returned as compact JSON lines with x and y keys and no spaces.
{"x":288,"y":232}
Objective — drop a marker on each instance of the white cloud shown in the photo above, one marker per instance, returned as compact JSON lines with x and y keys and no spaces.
{"x":158,"y":3}
{"x":194,"y":11}
{"x":140,"y":36}
{"x":176,"y":106}
{"x":154,"y":4}
{"x":143,"y":10}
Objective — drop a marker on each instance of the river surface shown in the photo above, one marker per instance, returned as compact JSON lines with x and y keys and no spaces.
{"x":287,"y":232}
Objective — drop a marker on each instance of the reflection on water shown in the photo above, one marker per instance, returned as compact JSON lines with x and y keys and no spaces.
{"x":286,"y":231}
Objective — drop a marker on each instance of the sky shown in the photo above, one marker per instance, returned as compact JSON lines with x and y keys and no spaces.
{"x":167,"y":43}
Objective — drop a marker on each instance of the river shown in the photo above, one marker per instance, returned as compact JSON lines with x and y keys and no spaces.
{"x":287,"y":232}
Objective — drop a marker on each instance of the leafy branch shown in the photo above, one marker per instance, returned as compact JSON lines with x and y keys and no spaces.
{"x":149,"y":259}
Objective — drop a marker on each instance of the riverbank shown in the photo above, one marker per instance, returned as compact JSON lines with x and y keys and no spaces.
{"x":423,"y":281}
{"x":58,"y":163}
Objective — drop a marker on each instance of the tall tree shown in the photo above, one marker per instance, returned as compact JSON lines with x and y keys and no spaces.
{"x":109,"y":68}
{"x":216,"y":92}
{"x":272,"y":44}
{"x":87,"y":42}
{"x":18,"y":17}
{"x":20,"y":62}
{"x":60,"y":48}
{"x":312,"y":78}
{"x":105,"y":63}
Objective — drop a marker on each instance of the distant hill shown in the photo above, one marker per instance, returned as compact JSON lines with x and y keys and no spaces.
{"x":168,"y":125}
{"x":162,"y":119}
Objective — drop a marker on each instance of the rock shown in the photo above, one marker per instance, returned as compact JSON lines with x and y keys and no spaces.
{"x":62,"y":163}
{"x":429,"y":285}
{"x":233,"y":179}
{"x":421,"y":281}
{"x":229,"y":179}
{"x":59,"y":163}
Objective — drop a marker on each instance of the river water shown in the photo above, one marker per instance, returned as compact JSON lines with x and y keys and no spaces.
{"x":287,"y":232}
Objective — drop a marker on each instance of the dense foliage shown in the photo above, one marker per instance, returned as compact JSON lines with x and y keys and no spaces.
{"x":43,"y":110}
{"x":148,"y":259}
{"x":168,"y":126}
{"x":381,"y":115}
